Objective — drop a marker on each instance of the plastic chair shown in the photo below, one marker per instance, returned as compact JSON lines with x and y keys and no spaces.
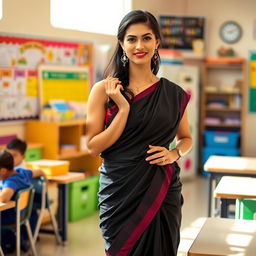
{"x":24,"y":201}
{"x":42,"y":202}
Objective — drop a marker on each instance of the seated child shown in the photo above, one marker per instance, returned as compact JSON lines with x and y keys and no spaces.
{"x":12,"y":181}
{"x":17,"y":148}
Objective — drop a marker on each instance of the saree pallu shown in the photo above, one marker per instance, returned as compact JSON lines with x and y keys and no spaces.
{"x":140,"y":204}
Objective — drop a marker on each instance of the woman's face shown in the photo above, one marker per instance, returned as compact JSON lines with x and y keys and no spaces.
{"x":139,"y":43}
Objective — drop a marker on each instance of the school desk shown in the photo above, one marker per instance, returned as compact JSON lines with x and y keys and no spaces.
{"x":3,"y":207}
{"x":63,"y":182}
{"x":219,"y":166}
{"x":225,"y":237}
{"x":234,"y":188}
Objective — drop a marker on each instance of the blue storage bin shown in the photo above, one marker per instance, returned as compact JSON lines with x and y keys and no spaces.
{"x":209,"y":151}
{"x":221,"y":139}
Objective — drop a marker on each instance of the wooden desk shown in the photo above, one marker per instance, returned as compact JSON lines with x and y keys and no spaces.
{"x":6,"y":206}
{"x":225,"y":237}
{"x":68,"y":178}
{"x":63,"y":181}
{"x":219,"y":166}
{"x":234,"y":188}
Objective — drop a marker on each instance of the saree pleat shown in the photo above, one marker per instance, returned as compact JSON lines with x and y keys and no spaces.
{"x":140,"y":204}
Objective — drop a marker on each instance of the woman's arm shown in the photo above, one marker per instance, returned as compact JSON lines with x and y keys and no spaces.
{"x":184,"y":139}
{"x":184,"y":143}
{"x":97,"y":137}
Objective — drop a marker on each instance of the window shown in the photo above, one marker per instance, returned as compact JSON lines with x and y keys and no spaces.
{"x":97,"y":16}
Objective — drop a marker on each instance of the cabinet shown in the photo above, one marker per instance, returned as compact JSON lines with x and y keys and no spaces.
{"x":223,"y":106}
{"x":54,"y":134}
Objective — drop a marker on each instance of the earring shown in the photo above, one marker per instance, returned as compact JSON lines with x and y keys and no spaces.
{"x":124,"y":59}
{"x":156,"y":56}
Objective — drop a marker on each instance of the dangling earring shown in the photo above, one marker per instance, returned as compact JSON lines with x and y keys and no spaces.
{"x":124,"y":59}
{"x":156,"y":56}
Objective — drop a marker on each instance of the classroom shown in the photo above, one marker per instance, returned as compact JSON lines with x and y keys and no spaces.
{"x":127,"y":127}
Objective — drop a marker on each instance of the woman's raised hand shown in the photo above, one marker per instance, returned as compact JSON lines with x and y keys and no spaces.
{"x":113,"y":89}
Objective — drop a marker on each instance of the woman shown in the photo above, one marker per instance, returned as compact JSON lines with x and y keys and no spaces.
{"x":132,"y":118}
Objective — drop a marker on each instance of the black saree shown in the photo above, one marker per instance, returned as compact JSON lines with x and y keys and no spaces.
{"x":140,"y":204}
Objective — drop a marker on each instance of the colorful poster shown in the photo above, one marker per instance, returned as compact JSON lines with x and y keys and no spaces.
{"x":252,"y":82}
{"x":64,"y":84}
{"x":19,"y":62}
{"x":253,"y":74}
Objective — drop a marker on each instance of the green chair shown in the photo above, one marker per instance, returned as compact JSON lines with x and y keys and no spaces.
{"x":246,"y":209}
{"x":24,"y":201}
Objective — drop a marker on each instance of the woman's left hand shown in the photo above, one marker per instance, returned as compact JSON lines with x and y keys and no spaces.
{"x":161,"y":156}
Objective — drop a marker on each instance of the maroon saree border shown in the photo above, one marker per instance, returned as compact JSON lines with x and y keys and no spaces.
{"x":114,"y":109}
{"x":145,"y":221}
{"x":184,"y":103}
{"x":147,"y":91}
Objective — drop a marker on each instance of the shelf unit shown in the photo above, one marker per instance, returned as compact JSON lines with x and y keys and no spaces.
{"x":223,"y":97}
{"x":179,"y":32}
{"x":53,"y":134}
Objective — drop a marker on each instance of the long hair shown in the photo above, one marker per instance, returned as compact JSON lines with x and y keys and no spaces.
{"x":115,"y":67}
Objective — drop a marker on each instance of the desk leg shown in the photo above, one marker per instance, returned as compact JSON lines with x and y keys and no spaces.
{"x":211,"y":201}
{"x":224,"y":208}
{"x":63,"y":212}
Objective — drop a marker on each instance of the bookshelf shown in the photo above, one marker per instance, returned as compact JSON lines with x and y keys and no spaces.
{"x":223,"y":101}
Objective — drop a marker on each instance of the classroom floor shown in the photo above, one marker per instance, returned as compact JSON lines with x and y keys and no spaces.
{"x":85,"y":237}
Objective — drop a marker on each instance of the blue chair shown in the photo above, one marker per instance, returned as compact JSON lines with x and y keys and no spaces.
{"x":24,"y":201}
{"x":42,"y":202}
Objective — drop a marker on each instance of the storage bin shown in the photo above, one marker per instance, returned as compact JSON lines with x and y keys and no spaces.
{"x":50,"y":167}
{"x":246,"y":209}
{"x":221,"y":139}
{"x":83,"y":198}
{"x":33,"y":154}
{"x":222,"y":151}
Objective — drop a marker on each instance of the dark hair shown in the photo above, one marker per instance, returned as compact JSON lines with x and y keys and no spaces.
{"x":17,"y":144}
{"x":115,"y":67}
{"x":6,"y":160}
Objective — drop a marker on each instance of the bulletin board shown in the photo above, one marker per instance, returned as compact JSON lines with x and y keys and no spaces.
{"x":252,"y":81}
{"x":63,"y":83}
{"x":20,"y":58}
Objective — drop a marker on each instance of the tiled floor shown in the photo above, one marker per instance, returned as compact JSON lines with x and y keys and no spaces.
{"x":85,"y":238}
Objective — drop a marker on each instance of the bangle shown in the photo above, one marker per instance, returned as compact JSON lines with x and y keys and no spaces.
{"x":178,"y":153}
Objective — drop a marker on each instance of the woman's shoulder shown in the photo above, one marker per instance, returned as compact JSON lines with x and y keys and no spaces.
{"x":171,"y":85}
{"x":98,"y":90}
{"x":99,"y":86}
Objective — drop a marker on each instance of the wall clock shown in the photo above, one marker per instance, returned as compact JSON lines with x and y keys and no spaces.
{"x":230,"y":32}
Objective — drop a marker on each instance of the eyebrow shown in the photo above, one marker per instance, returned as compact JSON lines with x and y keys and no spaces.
{"x":147,"y":34}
